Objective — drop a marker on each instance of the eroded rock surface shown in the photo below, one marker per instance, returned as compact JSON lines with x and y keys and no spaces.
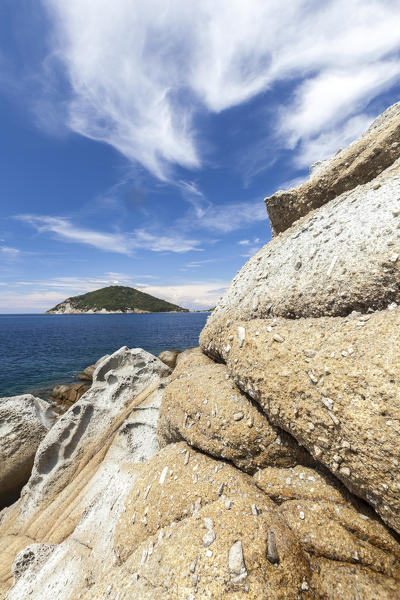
{"x":116,"y":382}
{"x":343,"y":257}
{"x":197,"y":528}
{"x":184,"y":525}
{"x":24,"y":422}
{"x":203,"y":406}
{"x":360,"y":163}
{"x":352,"y":554}
{"x":77,"y":488}
{"x":332,"y":384}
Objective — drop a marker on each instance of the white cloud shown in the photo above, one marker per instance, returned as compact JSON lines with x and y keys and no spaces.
{"x":235,"y":215}
{"x":163,"y":243}
{"x":9,"y":251}
{"x":37,"y":301}
{"x":329,"y":142}
{"x":194,"y":196}
{"x":244,"y":242}
{"x":122,"y":243}
{"x":141,"y":72}
{"x":195,"y":264}
{"x":195,"y":295}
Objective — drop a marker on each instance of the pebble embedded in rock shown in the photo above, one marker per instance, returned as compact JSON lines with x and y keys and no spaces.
{"x":272,"y":552}
{"x":236,"y":562}
{"x":241,"y":335}
{"x":238,"y":416}
{"x":210,"y":536}
{"x":278,"y":338}
{"x":313,"y":378}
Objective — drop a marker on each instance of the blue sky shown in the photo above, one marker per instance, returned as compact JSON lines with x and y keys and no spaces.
{"x":139,"y":138}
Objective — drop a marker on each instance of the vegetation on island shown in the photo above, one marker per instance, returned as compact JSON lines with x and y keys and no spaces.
{"x":119,"y":298}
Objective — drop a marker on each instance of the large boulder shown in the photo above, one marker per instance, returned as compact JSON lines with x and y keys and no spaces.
{"x":76,"y":478}
{"x":332,"y":383}
{"x":343,"y":257}
{"x":74,"y":530}
{"x":204,"y":407}
{"x":351,"y":553}
{"x":360,"y":163}
{"x":116,"y":381}
{"x":184,"y":525}
{"x":24,"y":422}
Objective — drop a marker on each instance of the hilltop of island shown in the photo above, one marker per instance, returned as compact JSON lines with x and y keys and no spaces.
{"x":114,"y":299}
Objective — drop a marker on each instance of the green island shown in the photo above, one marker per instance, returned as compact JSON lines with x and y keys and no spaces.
{"x":115,"y":298}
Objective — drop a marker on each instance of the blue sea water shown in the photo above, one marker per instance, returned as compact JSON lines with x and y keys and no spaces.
{"x":40,"y":351}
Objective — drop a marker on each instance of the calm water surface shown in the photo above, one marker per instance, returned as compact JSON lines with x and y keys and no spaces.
{"x":39,"y":351}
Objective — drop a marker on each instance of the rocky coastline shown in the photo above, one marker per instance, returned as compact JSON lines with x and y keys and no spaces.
{"x":263,"y":464}
{"x":66,"y":309}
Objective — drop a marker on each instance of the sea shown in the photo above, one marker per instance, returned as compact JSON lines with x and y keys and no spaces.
{"x":38,"y":352}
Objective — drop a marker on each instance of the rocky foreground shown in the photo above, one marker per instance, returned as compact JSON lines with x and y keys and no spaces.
{"x":265,"y":465}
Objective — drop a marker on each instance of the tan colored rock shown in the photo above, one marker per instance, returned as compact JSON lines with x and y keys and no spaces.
{"x":331,"y":383}
{"x":24,"y":422}
{"x":169,"y":357}
{"x":160,"y":529}
{"x":204,"y":407}
{"x":182,"y":537}
{"x":353,"y":555}
{"x":358,"y":164}
{"x":66,"y":395}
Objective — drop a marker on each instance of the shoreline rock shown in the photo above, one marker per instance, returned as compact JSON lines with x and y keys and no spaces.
{"x":24,"y":422}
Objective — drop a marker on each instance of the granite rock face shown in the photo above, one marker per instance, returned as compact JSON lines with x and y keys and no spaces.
{"x":69,"y":508}
{"x":116,"y":381}
{"x":358,"y":164}
{"x":332,"y":384}
{"x":204,"y":407}
{"x":184,"y":525}
{"x":24,"y":422}
{"x":194,"y":527}
{"x":351,"y":553}
{"x":343,"y":257}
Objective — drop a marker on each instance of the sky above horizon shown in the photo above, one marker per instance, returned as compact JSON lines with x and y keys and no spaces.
{"x":139,"y":138}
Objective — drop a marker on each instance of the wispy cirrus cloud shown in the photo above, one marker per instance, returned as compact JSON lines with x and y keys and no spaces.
{"x":140,"y":75}
{"x":8,"y":251}
{"x":121,"y":243}
{"x":231,"y":216}
{"x":195,"y":197}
